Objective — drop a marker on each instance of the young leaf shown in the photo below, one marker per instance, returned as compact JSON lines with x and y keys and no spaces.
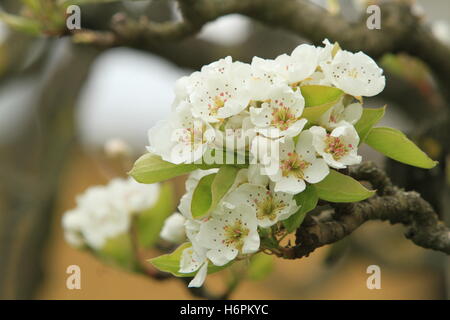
{"x":307,"y":200}
{"x":118,"y":251}
{"x":222,"y":183}
{"x":202,"y":196}
{"x":211,"y":189}
{"x":316,"y":95}
{"x":338,"y":187}
{"x":318,"y":99}
{"x":150,"y":168}
{"x":313,"y":114}
{"x":151,"y":221}
{"x":171,"y":263}
{"x":369,"y":118}
{"x":395,"y":145}
{"x":261,"y":265}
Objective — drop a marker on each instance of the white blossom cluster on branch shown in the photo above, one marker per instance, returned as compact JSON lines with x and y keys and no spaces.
{"x":105,"y":212}
{"x":257,"y":112}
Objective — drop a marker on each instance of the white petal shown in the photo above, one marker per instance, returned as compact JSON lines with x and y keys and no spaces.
{"x":353,"y":112}
{"x":351,"y":159}
{"x":173,"y":229}
{"x":222,"y":256}
{"x":211,"y":233}
{"x":252,"y":242}
{"x":290,"y":185}
{"x":247,"y":194}
{"x":190,"y":261}
{"x":200,"y":277}
{"x":255,"y":176}
{"x":295,"y":128}
{"x":159,"y":144}
{"x":317,"y":171}
{"x":261,"y":117}
{"x":304,"y":146}
{"x":355,"y":73}
{"x":332,"y":162}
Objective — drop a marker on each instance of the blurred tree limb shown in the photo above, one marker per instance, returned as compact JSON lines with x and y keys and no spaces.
{"x":390,"y":204}
{"x":31,"y":168}
{"x":401,"y":29}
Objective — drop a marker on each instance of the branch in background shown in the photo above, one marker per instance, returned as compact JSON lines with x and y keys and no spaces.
{"x":390,"y":204}
{"x":401,"y":29}
{"x":35,"y":161}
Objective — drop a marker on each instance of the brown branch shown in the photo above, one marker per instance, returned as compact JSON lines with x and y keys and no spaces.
{"x":35,"y":160}
{"x":390,"y":204}
{"x":400,"y":30}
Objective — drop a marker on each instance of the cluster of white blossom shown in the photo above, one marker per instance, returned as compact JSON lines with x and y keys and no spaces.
{"x":104,"y":212}
{"x":262,"y":102}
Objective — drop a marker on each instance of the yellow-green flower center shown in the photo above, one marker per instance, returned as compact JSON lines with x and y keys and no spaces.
{"x":336,"y":147}
{"x":194,"y":137}
{"x":235,"y":234}
{"x":282,"y":117}
{"x":268,"y":208}
{"x":294,"y":165}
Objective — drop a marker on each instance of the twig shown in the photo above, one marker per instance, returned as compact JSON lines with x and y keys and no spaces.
{"x":394,"y":205}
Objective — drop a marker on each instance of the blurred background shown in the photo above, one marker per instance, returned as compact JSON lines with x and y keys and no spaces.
{"x":61,"y":103}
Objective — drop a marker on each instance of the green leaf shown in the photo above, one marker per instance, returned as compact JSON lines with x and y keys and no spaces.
{"x":222,"y":183}
{"x":395,"y":145}
{"x":369,"y":118}
{"x":202,"y":196}
{"x":315,"y":95}
{"x":211,"y":189}
{"x":338,"y":187}
{"x":318,"y":99}
{"x":171,"y":263}
{"x":307,"y":200}
{"x":261,"y":265}
{"x":151,"y":221}
{"x":150,"y":168}
{"x":118,"y":251}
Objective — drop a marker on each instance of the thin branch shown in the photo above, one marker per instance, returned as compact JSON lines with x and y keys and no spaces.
{"x":390,"y":204}
{"x":400,"y":30}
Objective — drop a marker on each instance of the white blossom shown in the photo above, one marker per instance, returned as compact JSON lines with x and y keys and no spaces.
{"x":182,"y":139}
{"x":73,"y":221}
{"x":339,"y":115}
{"x":173,"y":229}
{"x":297,"y":163}
{"x":270,"y":207}
{"x":301,"y":64}
{"x":235,"y":133}
{"x":281,"y":114}
{"x":131,"y":196}
{"x":355,"y":73}
{"x":229,"y":234}
{"x":338,"y":148}
{"x":223,"y":91}
{"x":194,"y":261}
{"x":104,"y":212}
{"x":255,"y":112}
{"x":184,"y":87}
{"x":263,"y":78}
